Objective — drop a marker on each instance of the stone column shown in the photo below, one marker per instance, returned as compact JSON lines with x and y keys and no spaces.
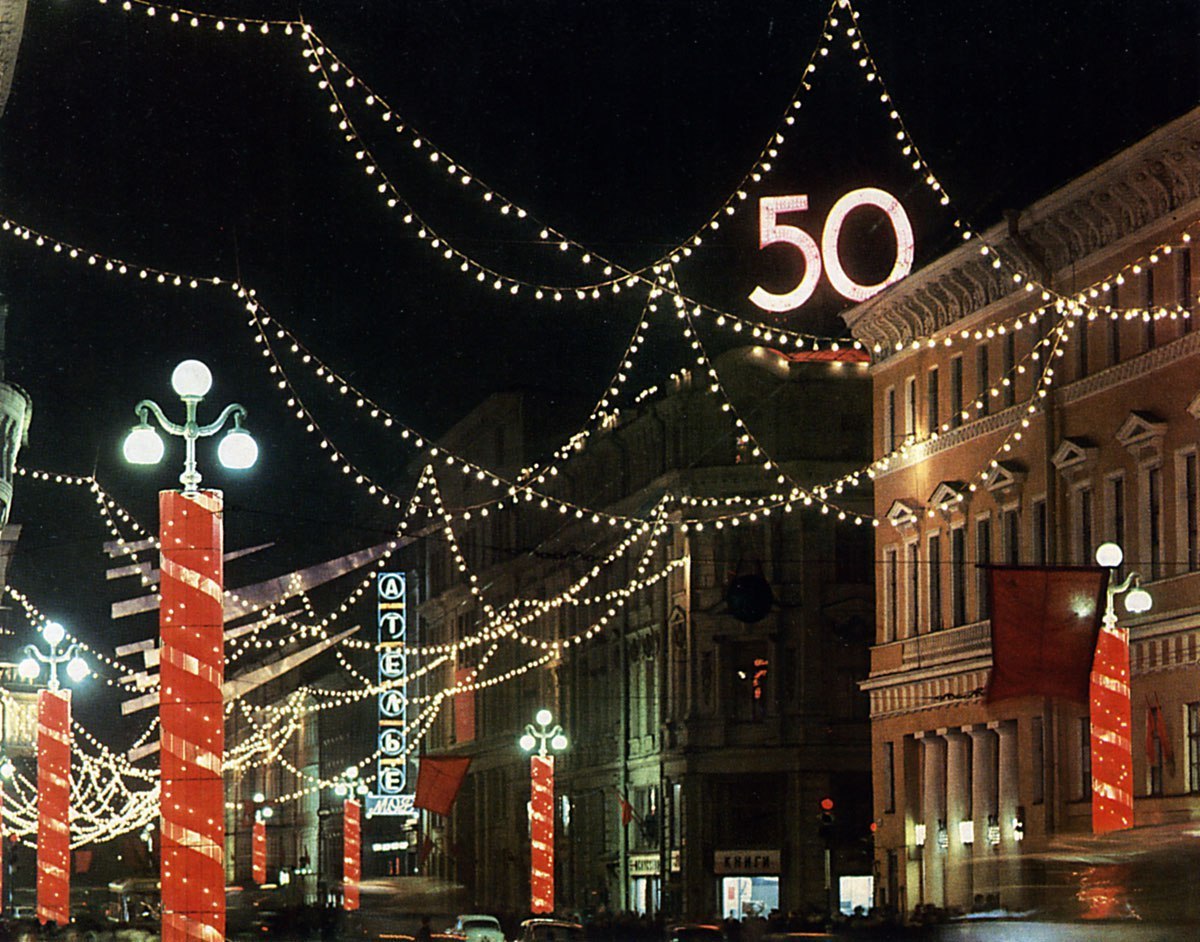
{"x":933,"y":814}
{"x":984,"y":807}
{"x":1008,"y":801}
{"x":958,"y":810}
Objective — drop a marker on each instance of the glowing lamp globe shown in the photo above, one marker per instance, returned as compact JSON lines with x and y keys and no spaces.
{"x":54,"y":633}
{"x":258,"y":797}
{"x":527,"y":742}
{"x":191,"y":379}
{"x":268,"y":812}
{"x":28,"y":669}
{"x":559,"y":742}
{"x":340,"y":789}
{"x":7,"y":769}
{"x":143,"y":445}
{"x":238,"y":450}
{"x":543,"y":717}
{"x":77,"y":669}
{"x":1109,"y":555}
{"x":1137,"y":601}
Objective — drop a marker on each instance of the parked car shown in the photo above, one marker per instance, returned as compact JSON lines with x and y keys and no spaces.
{"x":477,"y":927}
{"x":551,"y":930}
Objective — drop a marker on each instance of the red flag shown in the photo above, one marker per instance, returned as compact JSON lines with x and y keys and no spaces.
{"x":626,"y":810}
{"x":424,"y":850}
{"x":1156,"y":728}
{"x":438,"y":782}
{"x":83,"y":861}
{"x":1044,"y":626}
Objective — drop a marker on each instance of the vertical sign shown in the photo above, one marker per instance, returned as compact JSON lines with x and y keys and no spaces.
{"x":351,"y":853}
{"x":54,"y":807}
{"x":191,"y":711}
{"x":393,"y":789}
{"x":1112,"y":746}
{"x":541,"y":834}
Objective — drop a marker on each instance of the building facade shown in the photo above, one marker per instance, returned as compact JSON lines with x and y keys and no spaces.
{"x":1036,"y":392}
{"x":710,"y":711}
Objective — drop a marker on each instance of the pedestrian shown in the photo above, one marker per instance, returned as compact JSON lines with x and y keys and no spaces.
{"x":424,"y":934}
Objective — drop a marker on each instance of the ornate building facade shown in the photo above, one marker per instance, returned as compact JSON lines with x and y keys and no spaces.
{"x":1036,"y":392}
{"x":710,"y":711}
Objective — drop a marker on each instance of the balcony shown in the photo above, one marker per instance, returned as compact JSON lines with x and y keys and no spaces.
{"x":964,"y":643}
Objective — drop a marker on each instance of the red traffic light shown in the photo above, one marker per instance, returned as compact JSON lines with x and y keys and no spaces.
{"x":826,"y":804}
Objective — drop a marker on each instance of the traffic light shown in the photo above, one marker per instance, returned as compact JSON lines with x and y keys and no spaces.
{"x":826,"y":819}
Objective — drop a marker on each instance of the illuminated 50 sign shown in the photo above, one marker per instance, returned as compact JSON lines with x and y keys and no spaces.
{"x":773,"y":232}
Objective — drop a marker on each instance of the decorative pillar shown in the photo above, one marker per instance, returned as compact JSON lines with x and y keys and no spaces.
{"x":933,"y":811}
{"x":1008,"y":779}
{"x":1111,"y":721}
{"x":351,"y":853}
{"x":985,"y":809}
{"x":258,"y":852}
{"x":541,"y":834}
{"x":54,"y":807}
{"x":958,"y":813}
{"x":191,"y":712}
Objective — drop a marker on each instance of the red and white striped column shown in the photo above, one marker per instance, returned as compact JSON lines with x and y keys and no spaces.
{"x":1111,"y":722}
{"x":54,"y":807}
{"x":351,"y":853}
{"x":191,"y":713}
{"x":541,"y":834}
{"x":258,"y":852}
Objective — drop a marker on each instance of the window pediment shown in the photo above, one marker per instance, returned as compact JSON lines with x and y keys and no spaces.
{"x":903,"y":514}
{"x":1006,"y":478}
{"x":1142,"y":435}
{"x":949,"y":497}
{"x":1074,"y":453}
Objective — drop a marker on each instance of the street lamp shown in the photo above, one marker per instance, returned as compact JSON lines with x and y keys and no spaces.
{"x":6,"y":772}
{"x":1111,"y":711}
{"x":258,"y":838}
{"x":192,"y":660}
{"x":542,"y":741}
{"x":53,"y":771}
{"x":347,"y":787}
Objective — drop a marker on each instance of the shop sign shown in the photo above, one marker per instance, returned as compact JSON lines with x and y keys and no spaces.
{"x":643,"y":865}
{"x":746,"y":861}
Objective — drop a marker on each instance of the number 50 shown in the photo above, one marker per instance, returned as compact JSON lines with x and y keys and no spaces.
{"x":771,"y":232}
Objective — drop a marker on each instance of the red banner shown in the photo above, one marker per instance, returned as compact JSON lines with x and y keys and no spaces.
{"x":541,"y":834}
{"x":464,"y":706}
{"x":1112,"y":722}
{"x":351,"y":853}
{"x":191,"y":714}
{"x":438,"y":782}
{"x":54,"y":807}
{"x":1044,"y":626}
{"x":258,"y":852}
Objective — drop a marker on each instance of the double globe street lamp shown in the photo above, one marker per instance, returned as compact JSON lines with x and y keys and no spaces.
{"x":192,"y":658}
{"x":53,"y":770}
{"x":1111,"y":712}
{"x":542,"y":741}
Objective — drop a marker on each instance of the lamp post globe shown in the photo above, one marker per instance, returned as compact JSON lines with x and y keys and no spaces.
{"x":1109,"y":555}
{"x":143,"y":445}
{"x":54,"y":633}
{"x":191,"y":379}
{"x":238,"y":450}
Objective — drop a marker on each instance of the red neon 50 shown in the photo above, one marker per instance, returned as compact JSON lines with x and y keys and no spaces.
{"x":772,"y":232}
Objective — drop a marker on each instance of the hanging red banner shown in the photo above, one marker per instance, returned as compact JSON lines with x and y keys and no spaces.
{"x":191,"y":716}
{"x":54,"y":807}
{"x":1112,"y":722}
{"x":541,"y":834}
{"x":351,"y":852}
{"x":258,"y":852}
{"x":438,"y":780}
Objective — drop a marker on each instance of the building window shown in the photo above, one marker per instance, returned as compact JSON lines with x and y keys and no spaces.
{"x":1083,"y":531}
{"x":1038,"y":749}
{"x":889,"y":420}
{"x":889,"y":777}
{"x":983,"y":559}
{"x":1183,"y":277}
{"x":891,"y":591}
{"x":1188,"y":504}
{"x":1010,"y":524}
{"x":910,"y":406}
{"x":1040,"y":548}
{"x":981,"y":375}
{"x":956,"y":392}
{"x":958,"y":576}
{"x":934,"y":555}
{"x":751,"y":669}
{"x":1148,"y":306}
{"x":1085,"y":757}
{"x":1193,"y":742}
{"x":932,"y":414}
{"x":914,"y":589}
{"x":1114,"y":334}
{"x":1009,"y":380}
{"x":1081,"y":355}
{"x":1154,"y":520}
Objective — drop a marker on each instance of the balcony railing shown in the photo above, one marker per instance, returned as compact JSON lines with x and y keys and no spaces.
{"x":951,"y":644}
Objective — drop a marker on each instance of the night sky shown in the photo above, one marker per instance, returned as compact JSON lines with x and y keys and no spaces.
{"x":623,"y":124}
